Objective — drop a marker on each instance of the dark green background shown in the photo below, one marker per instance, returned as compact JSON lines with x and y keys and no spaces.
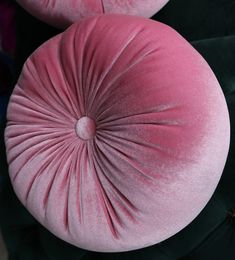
{"x":210,"y":27}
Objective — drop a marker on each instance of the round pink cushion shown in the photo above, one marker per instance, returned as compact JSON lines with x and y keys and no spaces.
{"x":117,"y":133}
{"x":63,"y":13}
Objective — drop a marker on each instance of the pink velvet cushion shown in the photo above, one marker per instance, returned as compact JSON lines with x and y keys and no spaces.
{"x":63,"y":13}
{"x":117,"y":133}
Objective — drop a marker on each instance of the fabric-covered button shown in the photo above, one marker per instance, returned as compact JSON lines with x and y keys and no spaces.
{"x":85,"y":128}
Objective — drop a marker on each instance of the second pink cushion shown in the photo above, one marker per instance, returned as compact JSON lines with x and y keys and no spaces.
{"x":62,"y":13}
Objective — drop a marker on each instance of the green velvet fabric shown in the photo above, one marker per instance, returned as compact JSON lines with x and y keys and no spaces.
{"x":210,"y":27}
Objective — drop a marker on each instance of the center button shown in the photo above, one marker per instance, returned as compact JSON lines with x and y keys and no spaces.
{"x":85,"y":128}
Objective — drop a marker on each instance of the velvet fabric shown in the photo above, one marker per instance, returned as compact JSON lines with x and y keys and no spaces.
{"x":7,"y":27}
{"x":153,"y":111}
{"x":5,"y":73}
{"x":62,"y":13}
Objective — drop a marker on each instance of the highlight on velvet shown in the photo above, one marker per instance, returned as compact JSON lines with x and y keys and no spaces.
{"x":62,"y":13}
{"x":117,"y":133}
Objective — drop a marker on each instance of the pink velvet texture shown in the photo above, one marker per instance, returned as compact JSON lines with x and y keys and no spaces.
{"x":117,"y":133}
{"x":62,"y":13}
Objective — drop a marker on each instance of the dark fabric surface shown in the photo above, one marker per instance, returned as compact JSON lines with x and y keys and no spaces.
{"x":199,"y":19}
{"x":210,"y":27}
